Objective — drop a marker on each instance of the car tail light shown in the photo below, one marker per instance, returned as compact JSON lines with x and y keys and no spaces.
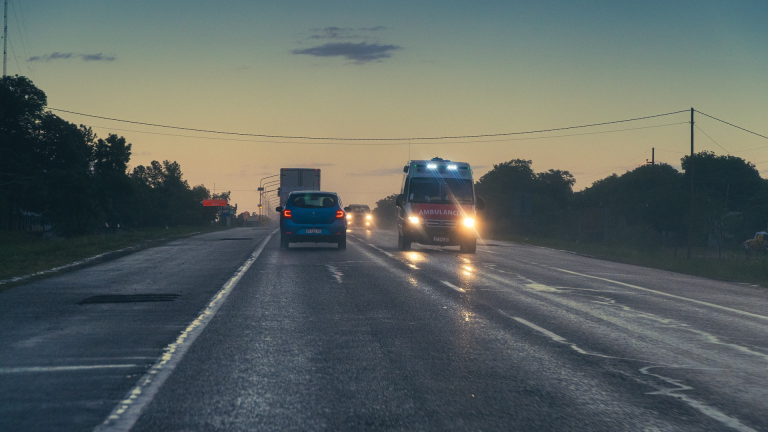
{"x":339,"y":214}
{"x":287,"y":214}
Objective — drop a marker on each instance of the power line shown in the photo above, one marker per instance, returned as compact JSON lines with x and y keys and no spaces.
{"x":731,"y":124}
{"x":25,"y":38}
{"x":391,"y":144}
{"x":756,"y":148}
{"x":705,"y":134}
{"x":645,"y":152}
{"x":368,"y":139}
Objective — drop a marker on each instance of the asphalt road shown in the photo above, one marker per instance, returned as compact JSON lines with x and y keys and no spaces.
{"x":371,"y":338}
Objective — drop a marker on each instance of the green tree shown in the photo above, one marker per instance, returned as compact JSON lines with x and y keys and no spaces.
{"x":64,"y":191}
{"x":114,"y":188}
{"x":385,"y":212}
{"x":654,"y":195}
{"x":21,"y":111}
{"x":518,"y":200}
{"x":731,"y":199}
{"x":166,"y":198}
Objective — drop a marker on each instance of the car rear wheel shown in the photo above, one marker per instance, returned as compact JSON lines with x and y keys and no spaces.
{"x":343,"y":243}
{"x":283,"y":242}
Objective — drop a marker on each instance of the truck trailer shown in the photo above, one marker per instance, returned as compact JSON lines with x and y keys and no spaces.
{"x":297,"y":179}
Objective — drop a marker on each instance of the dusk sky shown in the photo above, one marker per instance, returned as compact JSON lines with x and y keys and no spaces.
{"x":398,"y":69}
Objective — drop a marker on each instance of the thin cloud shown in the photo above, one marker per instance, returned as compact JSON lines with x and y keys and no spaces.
{"x":344,"y":32}
{"x":380,"y":172}
{"x":358,"y":52}
{"x":97,"y":57}
{"x":317,"y":164}
{"x":66,"y":56}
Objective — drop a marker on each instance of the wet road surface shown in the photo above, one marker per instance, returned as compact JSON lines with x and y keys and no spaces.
{"x":512,"y":338}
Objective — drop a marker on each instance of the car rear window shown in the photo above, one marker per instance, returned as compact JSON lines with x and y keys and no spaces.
{"x":313,"y":200}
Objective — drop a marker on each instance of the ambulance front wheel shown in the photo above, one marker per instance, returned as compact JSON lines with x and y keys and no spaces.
{"x":403,"y":241}
{"x":468,"y":246}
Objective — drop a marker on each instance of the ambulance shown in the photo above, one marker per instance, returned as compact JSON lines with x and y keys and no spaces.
{"x":437,"y":205}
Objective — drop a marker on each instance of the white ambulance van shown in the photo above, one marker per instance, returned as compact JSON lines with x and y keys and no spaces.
{"x":437,"y":205}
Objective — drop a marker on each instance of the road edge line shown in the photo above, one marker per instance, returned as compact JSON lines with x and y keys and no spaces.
{"x":127,"y":412}
{"x":700,"y":302}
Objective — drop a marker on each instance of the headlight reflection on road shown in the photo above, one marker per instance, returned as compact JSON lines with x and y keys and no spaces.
{"x":414,"y":258}
{"x":467,"y":275}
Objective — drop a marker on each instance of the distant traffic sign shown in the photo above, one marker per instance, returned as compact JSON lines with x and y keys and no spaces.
{"x":214,"y":202}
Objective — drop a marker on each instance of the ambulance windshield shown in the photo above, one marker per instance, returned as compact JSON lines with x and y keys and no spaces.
{"x":440,"y":190}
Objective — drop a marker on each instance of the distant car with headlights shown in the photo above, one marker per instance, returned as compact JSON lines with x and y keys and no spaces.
{"x":313,"y":217}
{"x":359,"y":216}
{"x":437,"y":205}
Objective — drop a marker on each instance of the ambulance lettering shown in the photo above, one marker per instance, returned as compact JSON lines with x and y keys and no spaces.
{"x":438,"y":212}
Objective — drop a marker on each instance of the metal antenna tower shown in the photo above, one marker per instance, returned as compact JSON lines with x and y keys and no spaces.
{"x":5,"y":38}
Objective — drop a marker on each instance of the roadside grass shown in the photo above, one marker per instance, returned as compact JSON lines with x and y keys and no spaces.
{"x":23,"y":253}
{"x":731,"y":266}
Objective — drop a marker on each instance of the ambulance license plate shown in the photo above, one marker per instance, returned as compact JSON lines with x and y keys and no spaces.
{"x":441,"y":239}
{"x":313,"y":231}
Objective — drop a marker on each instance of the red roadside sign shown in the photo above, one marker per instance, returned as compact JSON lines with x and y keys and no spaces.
{"x":214,"y":202}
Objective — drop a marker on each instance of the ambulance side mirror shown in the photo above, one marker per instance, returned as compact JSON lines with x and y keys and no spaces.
{"x":479,"y":203}
{"x":400,"y":200}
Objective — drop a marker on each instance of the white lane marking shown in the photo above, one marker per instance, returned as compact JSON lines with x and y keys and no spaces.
{"x":704,"y":409}
{"x":563,"y":340}
{"x":34,"y":369}
{"x":448,"y":284}
{"x":375,"y":247}
{"x":382,"y":251}
{"x":127,"y":411}
{"x":670,"y":323}
{"x":335,"y":272}
{"x":490,"y":252}
{"x":714,"y":413}
{"x":737,"y":311}
{"x":543,"y":331}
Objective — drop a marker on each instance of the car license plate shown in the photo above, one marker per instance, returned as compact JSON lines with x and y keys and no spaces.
{"x":313,"y":231}
{"x":441,"y":239}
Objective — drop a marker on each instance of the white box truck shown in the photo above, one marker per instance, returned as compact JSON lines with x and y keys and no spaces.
{"x":297,"y":179}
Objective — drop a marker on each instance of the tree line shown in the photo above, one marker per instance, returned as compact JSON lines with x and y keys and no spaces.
{"x":78,"y":181}
{"x":651,"y":205}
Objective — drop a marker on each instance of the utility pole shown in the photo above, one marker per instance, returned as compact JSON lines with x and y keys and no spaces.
{"x":261,"y":192}
{"x":653,"y":155}
{"x":691,"y":208}
{"x":5,"y":38}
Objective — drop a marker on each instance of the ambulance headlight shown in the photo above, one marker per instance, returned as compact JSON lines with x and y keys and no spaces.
{"x":469,"y":222}
{"x":414,"y":219}
{"x":349,"y":216}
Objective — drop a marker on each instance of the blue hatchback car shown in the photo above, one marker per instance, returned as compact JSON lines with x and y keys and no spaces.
{"x":314,"y":217}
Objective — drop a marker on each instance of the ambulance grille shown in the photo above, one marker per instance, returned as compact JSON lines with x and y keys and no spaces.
{"x":438,"y":223}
